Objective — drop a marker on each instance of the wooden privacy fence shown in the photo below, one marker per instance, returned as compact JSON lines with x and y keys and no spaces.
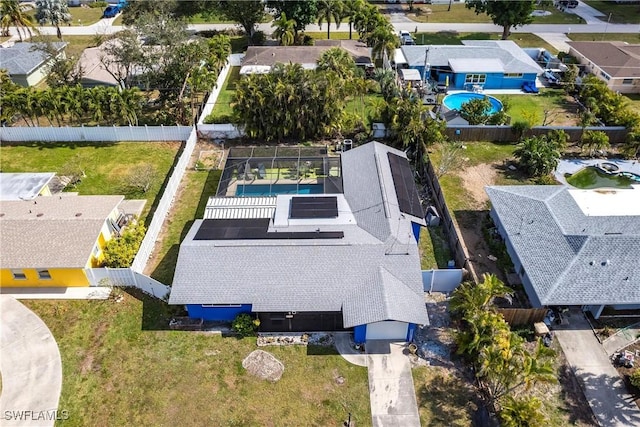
{"x":455,"y":244}
{"x":616,"y":134}
{"x":523,"y":316}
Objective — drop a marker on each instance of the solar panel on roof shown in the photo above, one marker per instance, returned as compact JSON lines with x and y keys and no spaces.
{"x":405,"y":186}
{"x":253,"y":229}
{"x":313,"y":207}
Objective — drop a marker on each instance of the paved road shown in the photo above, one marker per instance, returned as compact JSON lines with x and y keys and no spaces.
{"x":392,"y":394}
{"x":31,"y":368}
{"x":602,"y":386}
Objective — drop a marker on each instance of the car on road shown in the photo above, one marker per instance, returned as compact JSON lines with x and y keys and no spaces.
{"x":406,"y":39}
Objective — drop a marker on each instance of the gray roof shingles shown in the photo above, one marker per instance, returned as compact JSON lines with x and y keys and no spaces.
{"x":563,"y":250}
{"x":23,"y":58}
{"x":372,"y":274}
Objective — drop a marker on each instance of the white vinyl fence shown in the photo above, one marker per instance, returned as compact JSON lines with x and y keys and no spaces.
{"x":95,"y":134}
{"x":213,"y":96}
{"x":441,"y":280}
{"x":160,"y":214}
{"x":220,"y":131}
{"x":126,"y":277}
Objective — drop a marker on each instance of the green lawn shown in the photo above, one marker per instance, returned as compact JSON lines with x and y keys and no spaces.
{"x":620,"y":13}
{"x":196,"y":188}
{"x":613,"y":37}
{"x":80,"y":16}
{"x":453,"y":37}
{"x":105,"y":164}
{"x":434,"y":248}
{"x":122,"y":367}
{"x":76,"y":44}
{"x":460,"y":14}
{"x":443,"y":398}
{"x":335,"y":35}
{"x":531,"y":108}
{"x":223,"y":103}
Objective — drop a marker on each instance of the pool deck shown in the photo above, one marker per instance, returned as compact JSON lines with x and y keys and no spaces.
{"x":572,"y":166}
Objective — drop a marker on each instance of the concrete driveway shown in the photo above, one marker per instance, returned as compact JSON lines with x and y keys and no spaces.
{"x":30,"y":366}
{"x":392,"y":394}
{"x":602,"y":386}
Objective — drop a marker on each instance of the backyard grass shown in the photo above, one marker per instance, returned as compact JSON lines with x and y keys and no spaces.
{"x":223,"y":103}
{"x":443,"y":398}
{"x":612,"y":37}
{"x":122,"y":367}
{"x":460,"y":14}
{"x":453,"y":37}
{"x":106,"y":165}
{"x":434,"y":248}
{"x":531,"y":108}
{"x":196,"y":187}
{"x":620,"y":13}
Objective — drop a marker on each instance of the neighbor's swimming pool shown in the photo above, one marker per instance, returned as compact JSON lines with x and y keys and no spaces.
{"x":592,"y":177}
{"x":256,"y":190}
{"x":456,"y":100}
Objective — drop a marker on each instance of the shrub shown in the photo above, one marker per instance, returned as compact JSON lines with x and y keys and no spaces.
{"x":258,"y":38}
{"x":519,"y":128}
{"x":635,"y":378}
{"x":244,"y":325}
{"x":119,"y":252}
{"x":97,"y":4}
{"x":218,"y":118}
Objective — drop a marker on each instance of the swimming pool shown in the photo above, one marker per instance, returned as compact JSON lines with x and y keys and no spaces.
{"x":592,"y":177}
{"x":256,"y":190}
{"x":456,"y":100}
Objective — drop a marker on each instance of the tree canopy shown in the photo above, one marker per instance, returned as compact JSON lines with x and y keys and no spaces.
{"x":247,"y":13}
{"x":539,"y":155}
{"x":505,"y":13}
{"x":303,"y":12}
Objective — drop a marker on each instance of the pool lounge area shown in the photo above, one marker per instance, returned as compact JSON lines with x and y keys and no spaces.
{"x":598,"y":173}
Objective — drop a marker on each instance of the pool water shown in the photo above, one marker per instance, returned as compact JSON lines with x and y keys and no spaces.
{"x":591,"y":177}
{"x":456,"y":100}
{"x":257,"y":190}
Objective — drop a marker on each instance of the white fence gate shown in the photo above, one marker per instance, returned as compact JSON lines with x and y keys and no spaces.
{"x":441,"y":280}
{"x":126,"y":277}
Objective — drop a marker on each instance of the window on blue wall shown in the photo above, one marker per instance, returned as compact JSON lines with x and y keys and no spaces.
{"x":513,"y":75}
{"x":475,"y":79}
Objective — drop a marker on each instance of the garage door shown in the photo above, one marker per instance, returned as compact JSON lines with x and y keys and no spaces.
{"x":389,"y":330}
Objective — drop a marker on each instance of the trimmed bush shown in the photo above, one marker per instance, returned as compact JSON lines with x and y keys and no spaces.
{"x":244,"y":325}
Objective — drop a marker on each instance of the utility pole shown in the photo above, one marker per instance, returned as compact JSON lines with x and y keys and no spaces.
{"x":426,"y":64}
{"x":606,"y":26}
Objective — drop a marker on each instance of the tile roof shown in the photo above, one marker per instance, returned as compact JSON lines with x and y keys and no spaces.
{"x":23,"y":186}
{"x":512,"y":58}
{"x":618,"y":59}
{"x":571,"y":258}
{"x":49,"y":233}
{"x":373,"y":272}
{"x":24,"y":58}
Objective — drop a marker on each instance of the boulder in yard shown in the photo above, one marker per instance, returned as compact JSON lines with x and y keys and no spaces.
{"x":263,"y":365}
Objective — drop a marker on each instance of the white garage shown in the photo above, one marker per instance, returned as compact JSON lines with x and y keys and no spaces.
{"x":388,"y":330}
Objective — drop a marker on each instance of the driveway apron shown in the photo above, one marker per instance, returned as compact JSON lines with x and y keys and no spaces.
{"x":31,"y":368}
{"x":603,"y":387}
{"x":392,"y":394}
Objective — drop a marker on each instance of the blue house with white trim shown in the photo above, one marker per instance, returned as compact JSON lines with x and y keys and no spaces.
{"x":314,"y":262}
{"x":489,"y":64}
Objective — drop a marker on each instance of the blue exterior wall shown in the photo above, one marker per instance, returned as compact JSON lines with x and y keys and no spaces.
{"x":493,"y":80}
{"x":360,"y":334}
{"x":416,"y":230}
{"x":410,"y":331}
{"x":217,"y":313}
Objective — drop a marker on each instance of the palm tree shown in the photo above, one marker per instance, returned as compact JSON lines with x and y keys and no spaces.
{"x":328,"y":10}
{"x":54,"y":12}
{"x":338,"y":60}
{"x":12,"y":15}
{"x":350,"y":9}
{"x":471,"y":297}
{"x":383,"y":42}
{"x":285,"y":30}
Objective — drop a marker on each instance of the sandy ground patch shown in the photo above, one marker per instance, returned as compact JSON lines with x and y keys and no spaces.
{"x":475,"y":178}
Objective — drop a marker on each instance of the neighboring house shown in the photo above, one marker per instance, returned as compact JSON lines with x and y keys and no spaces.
{"x":485,"y":63}
{"x":572,"y":247}
{"x":616,"y":63}
{"x":313,"y":262}
{"x":26,"y":64}
{"x":94,"y":72}
{"x":260,"y":59}
{"x":50,"y":240}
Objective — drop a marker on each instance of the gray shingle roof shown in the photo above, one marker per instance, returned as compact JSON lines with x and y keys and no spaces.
{"x":571,"y":258}
{"x":49,"y":233}
{"x":371,"y":274}
{"x":513,"y":59}
{"x":618,"y":59}
{"x":23,"y":58}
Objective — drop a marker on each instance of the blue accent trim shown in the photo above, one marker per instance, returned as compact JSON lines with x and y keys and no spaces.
{"x":360,"y":334}
{"x":416,"y":230}
{"x":219,"y":313}
{"x":410,"y":331}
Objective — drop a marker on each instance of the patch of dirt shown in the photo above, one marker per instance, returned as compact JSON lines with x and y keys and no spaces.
{"x":263,"y":365}
{"x":88,"y":364}
{"x":475,"y":178}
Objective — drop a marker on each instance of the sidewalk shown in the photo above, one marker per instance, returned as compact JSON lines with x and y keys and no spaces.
{"x":603,"y":388}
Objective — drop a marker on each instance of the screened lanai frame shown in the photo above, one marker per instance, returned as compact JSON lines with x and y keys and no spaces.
{"x":269,"y":166}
